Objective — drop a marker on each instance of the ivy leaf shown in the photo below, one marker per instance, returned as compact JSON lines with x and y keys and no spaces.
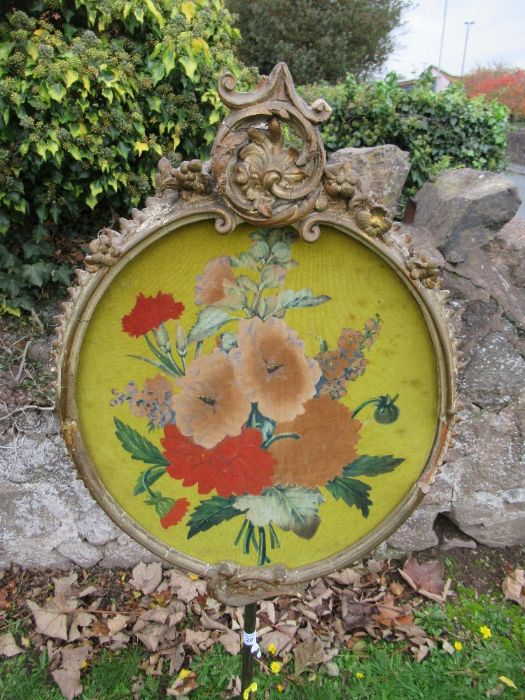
{"x":138,"y":446}
{"x":147,"y":478}
{"x":288,"y":299}
{"x":290,"y":508}
{"x":372,"y":466}
{"x":36,"y":274}
{"x":352,"y":491}
{"x":208,"y":322}
{"x":189,"y":64}
{"x":57,"y":92}
{"x":211,"y":512}
{"x":188,"y":10}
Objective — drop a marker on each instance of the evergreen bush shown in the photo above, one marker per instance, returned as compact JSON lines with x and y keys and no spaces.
{"x":92,"y":94}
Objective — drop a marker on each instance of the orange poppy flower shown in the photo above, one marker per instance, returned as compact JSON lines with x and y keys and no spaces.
{"x":272,"y":369}
{"x":327,"y":442}
{"x":210,"y":286}
{"x":211,"y":405}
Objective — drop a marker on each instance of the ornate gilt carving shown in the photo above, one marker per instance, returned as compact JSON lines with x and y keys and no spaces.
{"x":424,"y":268}
{"x":190,"y":176}
{"x":232,"y":584}
{"x":261,"y":177}
{"x":373,"y":221}
{"x":104,"y":250}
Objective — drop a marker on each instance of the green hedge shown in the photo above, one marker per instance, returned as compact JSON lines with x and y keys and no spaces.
{"x":92,"y":94}
{"x":440,"y":130}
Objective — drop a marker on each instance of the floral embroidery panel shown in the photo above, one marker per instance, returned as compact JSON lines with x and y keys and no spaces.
{"x":257,"y":398}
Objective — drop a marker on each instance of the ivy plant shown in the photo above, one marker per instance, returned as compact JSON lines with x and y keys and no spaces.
{"x":92,"y":94}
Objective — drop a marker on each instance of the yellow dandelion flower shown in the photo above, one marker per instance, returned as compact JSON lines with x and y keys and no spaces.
{"x":275,"y":667}
{"x":485,"y":632}
{"x":359,"y":675}
{"x":184,"y":673}
{"x":272,"y":649}
{"x":250,"y":689}
{"x":458,"y":646}
{"x":280,"y":688}
{"x":507,"y":682}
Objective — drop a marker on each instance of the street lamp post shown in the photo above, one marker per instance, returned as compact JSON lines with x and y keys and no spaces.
{"x":468,"y":25}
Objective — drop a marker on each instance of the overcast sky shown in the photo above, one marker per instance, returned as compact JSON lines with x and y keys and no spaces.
{"x":498,"y":36}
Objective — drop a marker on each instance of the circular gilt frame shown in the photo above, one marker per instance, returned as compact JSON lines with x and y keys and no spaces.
{"x":199,"y":191}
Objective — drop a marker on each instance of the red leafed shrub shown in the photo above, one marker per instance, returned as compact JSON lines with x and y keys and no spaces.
{"x":507,"y":85}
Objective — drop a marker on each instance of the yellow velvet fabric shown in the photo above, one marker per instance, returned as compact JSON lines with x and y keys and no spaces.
{"x":401,"y":361}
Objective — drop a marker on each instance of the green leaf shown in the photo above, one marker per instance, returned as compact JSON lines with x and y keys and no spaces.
{"x":290,"y":508}
{"x":36,"y":274}
{"x":288,"y":299}
{"x":11,"y":285}
{"x":189,"y":64}
{"x":57,"y":92}
{"x":168,"y":59}
{"x":208,"y":322}
{"x":7,"y":259}
{"x":71,"y":77}
{"x":138,"y":446}
{"x":211,"y":512}
{"x":147,"y":478}
{"x":154,"y":11}
{"x":352,"y":491}
{"x":372,"y":466}
{"x":157,"y":72}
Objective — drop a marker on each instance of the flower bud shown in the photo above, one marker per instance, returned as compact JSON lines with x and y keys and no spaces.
{"x":181,"y":342}
{"x":162,"y":337}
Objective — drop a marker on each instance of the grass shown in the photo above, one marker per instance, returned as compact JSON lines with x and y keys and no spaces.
{"x":381,"y":670}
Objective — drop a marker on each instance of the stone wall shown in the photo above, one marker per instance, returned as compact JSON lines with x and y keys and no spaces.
{"x":47,"y":517}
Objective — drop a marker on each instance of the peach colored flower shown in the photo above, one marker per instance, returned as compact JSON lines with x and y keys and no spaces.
{"x":153,"y":402}
{"x":272,"y":369}
{"x":211,"y":285}
{"x":328,"y":441}
{"x":211,"y":404}
{"x":333,"y":364}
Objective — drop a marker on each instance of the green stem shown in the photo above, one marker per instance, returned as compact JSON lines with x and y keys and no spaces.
{"x":145,"y":483}
{"x":274,"y":540}
{"x":170,"y":363}
{"x":361,"y":406}
{"x":159,"y":365}
{"x":263,"y":559}
{"x":266,"y":444}
{"x":198,"y":348}
{"x":241,"y":532}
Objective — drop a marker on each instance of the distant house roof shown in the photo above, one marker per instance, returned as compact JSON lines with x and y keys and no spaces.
{"x":441,"y":79}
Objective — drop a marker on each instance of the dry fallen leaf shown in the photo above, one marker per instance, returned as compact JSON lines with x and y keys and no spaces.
{"x":426,"y":579}
{"x":307,"y":654}
{"x":64,"y":585}
{"x":146,"y":577}
{"x":67,"y":677}
{"x":8,"y":645}
{"x":183,"y":685}
{"x":50,"y":622}
{"x":514,"y":587}
{"x":354,"y":614}
{"x":231,"y":642}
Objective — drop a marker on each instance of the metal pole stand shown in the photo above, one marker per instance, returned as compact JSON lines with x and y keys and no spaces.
{"x":250,"y":648}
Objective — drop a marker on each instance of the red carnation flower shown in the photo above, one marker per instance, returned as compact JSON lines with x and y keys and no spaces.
{"x":235,"y":466}
{"x":149,"y":312}
{"x":176,"y":513}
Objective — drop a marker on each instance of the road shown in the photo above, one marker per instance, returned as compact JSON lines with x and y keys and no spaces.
{"x":516,"y":173}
